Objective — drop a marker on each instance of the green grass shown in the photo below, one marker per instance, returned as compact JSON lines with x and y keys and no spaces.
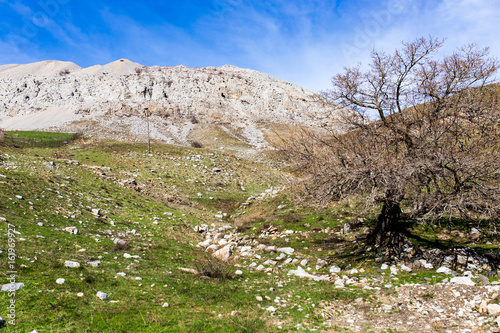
{"x":37,"y":139}
{"x":59,"y":187}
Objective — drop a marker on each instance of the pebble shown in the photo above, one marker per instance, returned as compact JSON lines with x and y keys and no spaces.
{"x":165,"y":305}
{"x":102,"y":295}
{"x":60,"y":281}
{"x":72,"y":264}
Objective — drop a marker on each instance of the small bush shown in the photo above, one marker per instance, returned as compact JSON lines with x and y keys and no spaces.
{"x":208,"y":265}
{"x":196,"y":144}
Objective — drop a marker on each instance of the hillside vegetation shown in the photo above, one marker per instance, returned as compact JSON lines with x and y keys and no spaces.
{"x":138,"y":225}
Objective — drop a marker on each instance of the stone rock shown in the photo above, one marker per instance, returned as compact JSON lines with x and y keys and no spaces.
{"x":235,"y":313}
{"x":102,"y":295}
{"x":238,"y":272}
{"x":339,"y":283}
{"x":406,"y":268}
{"x":260,"y":268}
{"x":94,"y":263}
{"x":72,"y":264}
{"x":212,"y":248}
{"x":120,"y":242}
{"x":287,"y":250}
{"x":60,"y":281}
{"x":271,"y":309}
{"x":300,"y":272}
{"x":484,"y":280}
{"x":259,"y":298}
{"x":40,"y":224}
{"x":223,"y":253}
{"x":494,"y":309}
{"x":303,"y":262}
{"x":347,"y":228}
{"x":335,"y":269}
{"x":12,"y":286}
{"x":71,"y":230}
{"x":462,"y":280}
{"x":444,"y":270}
{"x":384,"y":267}
{"x":165,"y":305}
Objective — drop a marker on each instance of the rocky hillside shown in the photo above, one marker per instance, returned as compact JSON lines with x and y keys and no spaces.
{"x":183,"y":101}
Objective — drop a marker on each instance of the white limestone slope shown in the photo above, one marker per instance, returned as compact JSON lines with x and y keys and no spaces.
{"x":52,"y":94}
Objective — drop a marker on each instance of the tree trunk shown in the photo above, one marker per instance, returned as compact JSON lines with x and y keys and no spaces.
{"x":387,"y":230}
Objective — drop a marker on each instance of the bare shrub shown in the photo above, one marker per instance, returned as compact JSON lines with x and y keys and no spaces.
{"x":208,"y":265}
{"x":194,"y":120}
{"x":196,"y":144}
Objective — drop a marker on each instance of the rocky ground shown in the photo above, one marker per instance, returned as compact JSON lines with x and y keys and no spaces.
{"x":449,"y":301}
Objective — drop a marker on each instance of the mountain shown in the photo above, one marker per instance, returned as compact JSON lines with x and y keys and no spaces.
{"x":186,"y":104}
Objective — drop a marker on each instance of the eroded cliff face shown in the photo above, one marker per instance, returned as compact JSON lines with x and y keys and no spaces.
{"x":51,"y":93}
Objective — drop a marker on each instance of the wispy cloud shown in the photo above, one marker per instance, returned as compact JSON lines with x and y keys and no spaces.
{"x":304,"y":42}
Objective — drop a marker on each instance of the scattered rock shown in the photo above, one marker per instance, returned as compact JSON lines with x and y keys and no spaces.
{"x":300,"y":272}
{"x":189,"y":270}
{"x":235,"y":313}
{"x":102,"y":295}
{"x":72,"y":264}
{"x":12,"y":286}
{"x":271,"y":309}
{"x":287,"y":250}
{"x":444,"y":270}
{"x":493,"y":309}
{"x":335,"y":269}
{"x":462,"y":280}
{"x":165,"y":305}
{"x":71,"y":230}
{"x":60,"y":281}
{"x":223,"y":253}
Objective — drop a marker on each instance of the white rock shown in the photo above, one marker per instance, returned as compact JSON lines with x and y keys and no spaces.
{"x":102,"y":295}
{"x":462,"y":280}
{"x":60,"y":281}
{"x":223,"y":253}
{"x":303,"y":262}
{"x":121,"y":273}
{"x":405,"y":268}
{"x":271,"y":309}
{"x":12,"y":286}
{"x":384,"y":267}
{"x":259,"y":298}
{"x":165,"y":305}
{"x":444,"y":270}
{"x":494,"y":309}
{"x":72,"y":264}
{"x":339,"y":283}
{"x":300,"y":272}
{"x":287,"y":250}
{"x":335,"y":269}
{"x":71,"y":230}
{"x":238,"y":272}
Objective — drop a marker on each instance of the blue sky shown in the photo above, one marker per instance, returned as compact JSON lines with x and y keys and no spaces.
{"x":303,"y":42}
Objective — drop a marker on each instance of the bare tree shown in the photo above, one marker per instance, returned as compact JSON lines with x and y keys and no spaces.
{"x":433,"y":150}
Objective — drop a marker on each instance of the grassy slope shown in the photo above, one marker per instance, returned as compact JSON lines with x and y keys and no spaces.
{"x":169,"y":180}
